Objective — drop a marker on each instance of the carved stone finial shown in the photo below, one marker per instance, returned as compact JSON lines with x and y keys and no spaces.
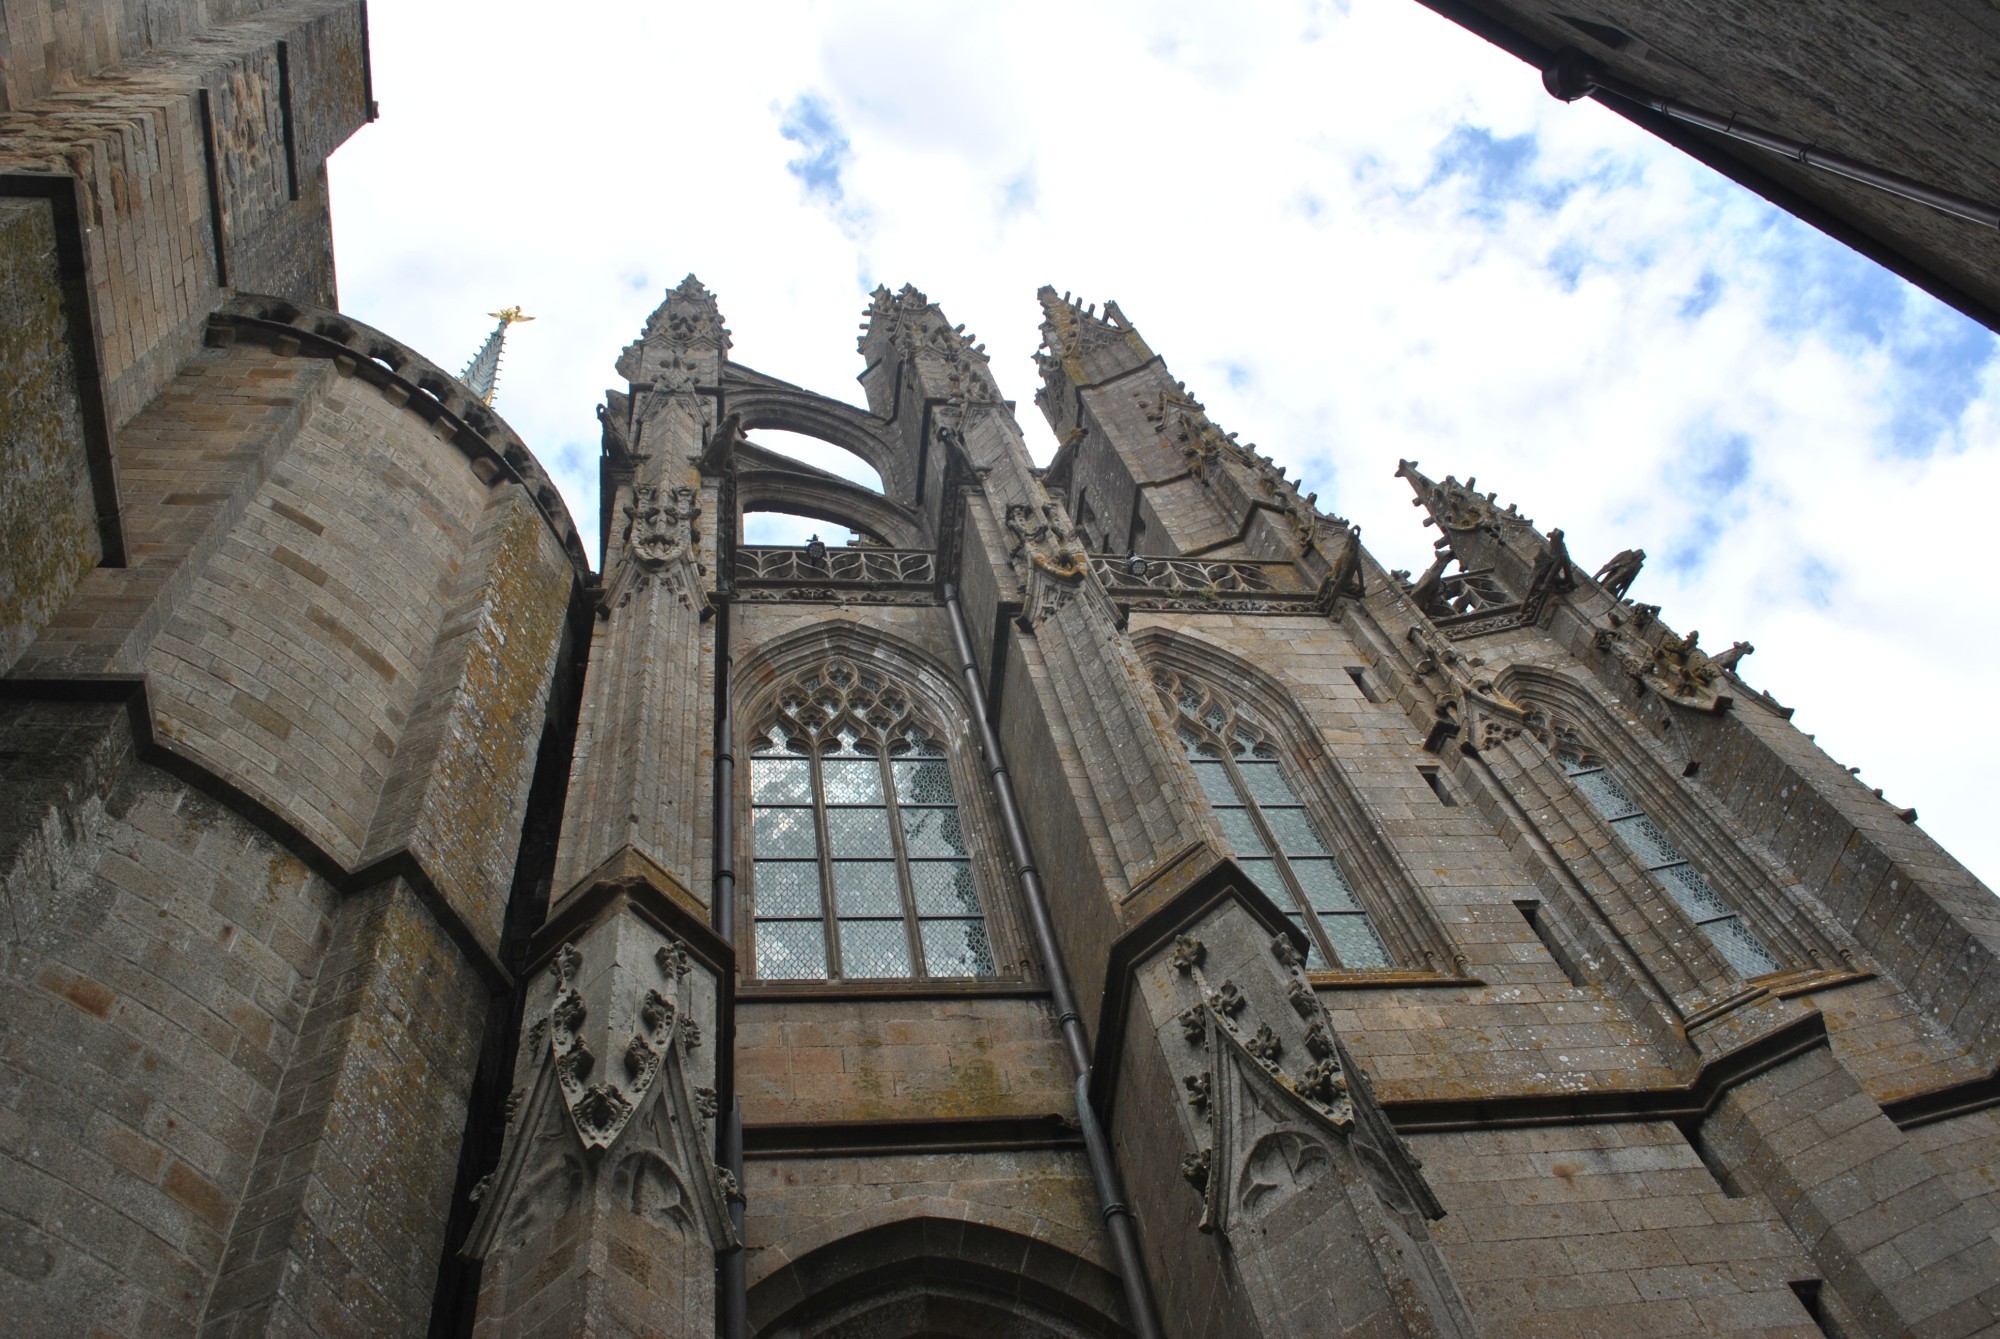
{"x":1303,"y":1001}
{"x":1324,"y":1083}
{"x":1188,"y":953}
{"x":1195,"y":1168}
{"x":1287,"y":953}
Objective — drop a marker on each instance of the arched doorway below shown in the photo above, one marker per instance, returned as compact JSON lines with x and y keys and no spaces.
{"x":932,"y":1278}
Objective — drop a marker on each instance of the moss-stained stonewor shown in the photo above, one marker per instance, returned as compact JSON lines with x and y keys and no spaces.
{"x":48,"y":531}
{"x":478,"y":783}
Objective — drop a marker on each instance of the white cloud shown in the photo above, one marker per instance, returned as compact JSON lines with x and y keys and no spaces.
{"x":1348,"y":264}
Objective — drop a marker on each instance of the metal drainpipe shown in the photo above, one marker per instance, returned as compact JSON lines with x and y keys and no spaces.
{"x":732,"y":1289}
{"x":1574,"y":75}
{"x":1118,"y":1219}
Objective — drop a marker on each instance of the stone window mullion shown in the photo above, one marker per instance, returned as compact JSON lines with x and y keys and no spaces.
{"x":905,"y":878}
{"x":860,"y":864}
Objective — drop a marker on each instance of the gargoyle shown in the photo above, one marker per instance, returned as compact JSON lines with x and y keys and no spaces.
{"x":1618,"y":575}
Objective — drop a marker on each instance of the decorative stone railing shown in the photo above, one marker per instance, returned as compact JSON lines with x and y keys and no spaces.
{"x":867,"y":568}
{"x":1198,"y":577}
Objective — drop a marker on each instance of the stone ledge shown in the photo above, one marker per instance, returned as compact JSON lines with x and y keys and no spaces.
{"x":130,"y":691}
{"x":940,"y":1134}
{"x":409,"y":380}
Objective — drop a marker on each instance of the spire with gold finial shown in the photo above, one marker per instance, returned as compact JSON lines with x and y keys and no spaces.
{"x":482,"y":374}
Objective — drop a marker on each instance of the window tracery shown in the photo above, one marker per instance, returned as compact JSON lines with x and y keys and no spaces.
{"x":1277,"y":841}
{"x":860,"y":866}
{"x":1725,"y":927}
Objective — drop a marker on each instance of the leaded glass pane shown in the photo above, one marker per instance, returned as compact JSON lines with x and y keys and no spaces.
{"x":956,"y":948}
{"x":928,"y":832}
{"x":874,"y":949}
{"x":1264,"y":873}
{"x":783,"y":832}
{"x":1294,"y":832}
{"x":1745,"y":954}
{"x":859,"y":832}
{"x":791,"y":950}
{"x":1355,"y":940}
{"x":1242,"y":833}
{"x":866,"y":888}
{"x":1326,"y":887}
{"x":1606,"y":795}
{"x":851,"y":781}
{"x":1266,"y":783}
{"x":944,"y":888}
{"x":781,"y":781}
{"x":1693,"y":893}
{"x":787,"y":888}
{"x":925,"y":782}
{"x":1214,"y":778}
{"x":1651,"y":845}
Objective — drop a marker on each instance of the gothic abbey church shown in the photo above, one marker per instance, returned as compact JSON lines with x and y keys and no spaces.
{"x":1101,"y":901}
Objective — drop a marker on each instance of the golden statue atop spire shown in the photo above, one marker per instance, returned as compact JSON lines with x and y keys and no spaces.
{"x":482,"y":374}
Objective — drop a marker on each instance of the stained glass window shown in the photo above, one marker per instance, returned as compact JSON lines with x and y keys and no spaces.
{"x":1657,"y":852}
{"x":1276,"y":840}
{"x":859,"y":864}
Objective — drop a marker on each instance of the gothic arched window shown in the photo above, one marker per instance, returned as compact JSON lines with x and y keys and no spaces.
{"x":859,"y":868}
{"x":1275,"y":837}
{"x":1721,"y":922}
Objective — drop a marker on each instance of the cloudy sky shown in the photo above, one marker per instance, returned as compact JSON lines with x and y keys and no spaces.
{"x":1356,"y":232}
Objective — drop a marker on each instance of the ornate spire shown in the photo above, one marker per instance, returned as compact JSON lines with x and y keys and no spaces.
{"x":909,"y":325}
{"x":482,"y":374}
{"x":1082,"y":345}
{"x":685,"y":325}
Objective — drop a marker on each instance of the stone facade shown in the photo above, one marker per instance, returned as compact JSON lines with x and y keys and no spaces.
{"x":1103,"y":901}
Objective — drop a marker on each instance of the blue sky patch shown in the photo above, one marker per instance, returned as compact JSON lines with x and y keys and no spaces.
{"x":809,"y":123}
{"x":1817,"y":581}
{"x":1707,"y":291}
{"x":1499,"y":169}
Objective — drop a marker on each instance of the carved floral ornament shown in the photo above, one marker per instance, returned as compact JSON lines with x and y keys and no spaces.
{"x":600,"y":1110}
{"x":1270,"y":1127}
{"x":1276,"y":1116}
{"x":611,"y":1109}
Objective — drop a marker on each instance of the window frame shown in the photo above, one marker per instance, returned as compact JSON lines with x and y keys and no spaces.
{"x":817,"y":746}
{"x":1215,"y":740}
{"x":1568,"y":752}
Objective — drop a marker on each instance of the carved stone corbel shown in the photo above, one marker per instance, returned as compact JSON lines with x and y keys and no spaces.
{"x":661,"y":544}
{"x":1674,"y":667}
{"x":1054,"y":558}
{"x":1469,"y":707}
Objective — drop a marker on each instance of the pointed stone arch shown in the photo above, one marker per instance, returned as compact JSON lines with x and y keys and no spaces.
{"x":927,"y":1275}
{"x":1417,"y":939}
{"x":761,"y":401}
